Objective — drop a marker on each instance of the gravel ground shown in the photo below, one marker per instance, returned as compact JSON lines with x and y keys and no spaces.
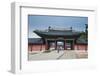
{"x":54,"y":55}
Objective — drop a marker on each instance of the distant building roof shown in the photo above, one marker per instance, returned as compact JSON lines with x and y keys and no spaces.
{"x":35,"y":41}
{"x":81,"y":41}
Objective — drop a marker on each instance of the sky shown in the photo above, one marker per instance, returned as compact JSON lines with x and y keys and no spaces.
{"x":42,"y":22}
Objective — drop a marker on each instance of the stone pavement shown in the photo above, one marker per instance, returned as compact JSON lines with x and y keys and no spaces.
{"x":54,"y":55}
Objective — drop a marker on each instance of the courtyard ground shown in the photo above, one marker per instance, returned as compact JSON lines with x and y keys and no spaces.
{"x":54,"y":55}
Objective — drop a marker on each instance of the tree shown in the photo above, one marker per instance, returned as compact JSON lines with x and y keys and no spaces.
{"x":86,"y":31}
{"x":84,"y":35}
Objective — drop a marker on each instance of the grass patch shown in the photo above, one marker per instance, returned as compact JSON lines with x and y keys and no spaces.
{"x":47,"y":51}
{"x":33,"y":53}
{"x":82,"y":55}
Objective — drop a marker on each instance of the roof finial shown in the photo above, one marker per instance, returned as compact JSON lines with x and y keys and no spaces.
{"x":71,"y":28}
{"x":49,"y":28}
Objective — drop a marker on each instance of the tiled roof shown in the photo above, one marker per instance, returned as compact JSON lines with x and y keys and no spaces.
{"x":57,"y":33}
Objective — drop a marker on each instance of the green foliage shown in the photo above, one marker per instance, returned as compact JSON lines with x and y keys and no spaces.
{"x":83,"y":35}
{"x":47,"y":51}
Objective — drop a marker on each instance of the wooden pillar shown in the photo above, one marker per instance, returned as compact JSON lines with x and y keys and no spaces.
{"x":55,"y":44}
{"x":64,"y":44}
{"x":41,"y":47}
{"x":31,"y":48}
{"x":78,"y":47}
{"x":46,"y":45}
{"x":73,"y":47}
{"x":86,"y":47}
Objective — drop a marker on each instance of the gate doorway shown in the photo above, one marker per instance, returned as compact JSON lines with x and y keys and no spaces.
{"x":60,"y":45}
{"x":69,"y":45}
